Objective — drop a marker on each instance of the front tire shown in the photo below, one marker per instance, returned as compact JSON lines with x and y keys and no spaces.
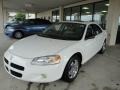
{"x":103,"y":49}
{"x":18,"y":35}
{"x":72,"y":69}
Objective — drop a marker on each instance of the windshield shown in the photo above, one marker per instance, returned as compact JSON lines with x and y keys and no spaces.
{"x":64,"y":31}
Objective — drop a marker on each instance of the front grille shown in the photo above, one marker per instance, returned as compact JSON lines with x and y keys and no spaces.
{"x":14,"y":66}
{"x":17,"y":66}
{"x":16,"y":74}
{"x":6,"y":68}
{"x":6,"y":61}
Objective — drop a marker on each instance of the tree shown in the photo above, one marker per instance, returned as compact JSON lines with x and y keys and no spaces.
{"x":20,"y":17}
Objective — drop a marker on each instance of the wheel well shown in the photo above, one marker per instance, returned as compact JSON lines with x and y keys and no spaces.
{"x":18,"y":31}
{"x":105,"y":41}
{"x":76,"y":54}
{"x":79,"y":55}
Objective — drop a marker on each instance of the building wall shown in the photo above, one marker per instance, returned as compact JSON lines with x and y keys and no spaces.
{"x":5,"y":16}
{"x":113,"y":21}
{"x":81,"y":3}
{"x":1,"y":17}
{"x":47,"y":15}
{"x":49,"y":12}
{"x":30,"y":16}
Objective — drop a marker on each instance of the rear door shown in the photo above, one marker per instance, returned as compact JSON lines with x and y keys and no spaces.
{"x":30,"y":26}
{"x":35,"y":26}
{"x":41,"y":25}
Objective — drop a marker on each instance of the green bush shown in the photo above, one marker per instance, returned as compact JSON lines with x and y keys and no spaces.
{"x":20,"y":17}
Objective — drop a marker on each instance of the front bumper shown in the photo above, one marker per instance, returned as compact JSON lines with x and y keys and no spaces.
{"x":8,"y":33}
{"x":22,"y":69}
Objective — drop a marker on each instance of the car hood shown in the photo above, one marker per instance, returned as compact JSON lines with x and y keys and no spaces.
{"x":16,"y":25}
{"x":36,"y":46}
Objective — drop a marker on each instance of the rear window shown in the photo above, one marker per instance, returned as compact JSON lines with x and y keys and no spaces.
{"x":37,"y":21}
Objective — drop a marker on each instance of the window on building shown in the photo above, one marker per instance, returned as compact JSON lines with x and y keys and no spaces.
{"x":86,"y":13}
{"x":30,"y":16}
{"x":67,"y":14}
{"x":100,"y":13}
{"x":55,"y":16}
{"x":75,"y":15}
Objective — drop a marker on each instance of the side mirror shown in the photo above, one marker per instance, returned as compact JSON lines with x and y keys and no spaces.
{"x":91,"y":37}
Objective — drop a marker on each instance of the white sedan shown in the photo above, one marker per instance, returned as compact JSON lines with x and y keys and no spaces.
{"x":56,"y":53}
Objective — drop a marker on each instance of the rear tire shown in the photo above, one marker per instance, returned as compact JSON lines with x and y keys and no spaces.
{"x":71,"y":69}
{"x":18,"y":35}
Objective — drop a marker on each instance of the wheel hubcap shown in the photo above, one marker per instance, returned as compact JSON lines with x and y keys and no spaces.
{"x":18,"y":35}
{"x":74,"y":67}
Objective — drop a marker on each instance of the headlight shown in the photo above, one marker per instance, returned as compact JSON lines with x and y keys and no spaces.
{"x":46,"y":60}
{"x":10,"y":28}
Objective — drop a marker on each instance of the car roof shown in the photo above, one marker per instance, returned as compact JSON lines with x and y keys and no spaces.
{"x":37,"y":19}
{"x":40,"y":20}
{"x":79,"y":22}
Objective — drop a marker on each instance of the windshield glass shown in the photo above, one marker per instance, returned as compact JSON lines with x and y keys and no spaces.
{"x":64,"y":31}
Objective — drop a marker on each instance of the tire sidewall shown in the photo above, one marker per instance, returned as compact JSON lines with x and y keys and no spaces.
{"x":67,"y":68}
{"x":15,"y":36}
{"x":103,"y":49}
